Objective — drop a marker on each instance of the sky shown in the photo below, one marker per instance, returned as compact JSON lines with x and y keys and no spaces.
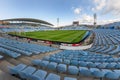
{"x":66,"y":10}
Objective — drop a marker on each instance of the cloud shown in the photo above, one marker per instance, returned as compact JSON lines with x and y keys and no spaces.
{"x":87,"y":18}
{"x":112,"y":6}
{"x":102,"y":22}
{"x":107,"y":6}
{"x":77,"y":10}
{"x":99,"y":5}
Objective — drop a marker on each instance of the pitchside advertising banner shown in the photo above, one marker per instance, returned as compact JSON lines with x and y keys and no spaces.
{"x":48,"y":42}
{"x":77,"y":44}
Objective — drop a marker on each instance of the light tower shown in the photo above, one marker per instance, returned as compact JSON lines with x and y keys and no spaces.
{"x":95,"y":20}
{"x":57,"y":22}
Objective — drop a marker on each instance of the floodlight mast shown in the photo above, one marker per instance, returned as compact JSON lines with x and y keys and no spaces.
{"x":95,"y":20}
{"x":57,"y":22}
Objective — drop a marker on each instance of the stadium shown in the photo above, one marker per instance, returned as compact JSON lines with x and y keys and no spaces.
{"x":35,"y":48}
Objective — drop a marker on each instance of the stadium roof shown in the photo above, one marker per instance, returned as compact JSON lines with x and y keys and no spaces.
{"x":29,"y":20}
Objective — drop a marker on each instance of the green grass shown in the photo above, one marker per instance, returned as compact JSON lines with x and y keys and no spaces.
{"x":69,"y":36}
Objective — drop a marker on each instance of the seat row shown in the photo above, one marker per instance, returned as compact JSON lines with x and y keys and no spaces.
{"x":103,"y":64}
{"x":89,"y":60}
{"x":110,"y":50}
{"x":106,"y":37}
{"x":106,"y":42}
{"x":74,"y":70}
{"x":31,"y":73}
{"x":15,"y":48}
{"x":9,"y":52}
{"x":77,"y":56}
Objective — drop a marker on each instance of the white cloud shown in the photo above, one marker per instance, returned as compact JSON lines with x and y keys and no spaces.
{"x":77,"y":11}
{"x":112,"y":6}
{"x":102,"y":22}
{"x":107,"y":6}
{"x":99,"y":5}
{"x":87,"y":18}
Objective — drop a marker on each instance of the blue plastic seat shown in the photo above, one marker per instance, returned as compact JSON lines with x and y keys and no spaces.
{"x":44,"y":63}
{"x":103,"y":65}
{"x":117,"y":66}
{"x":58,"y":60}
{"x":16,"y":69}
{"x":112,"y":75}
{"x":74,"y":62}
{"x":83,"y":64}
{"x":61,"y":68}
{"x":116,"y":50}
{"x":38,"y":75}
{"x":73,"y":70}
{"x":111,"y":65}
{"x":52,"y":76}
{"x":46,"y":58}
{"x":66,"y":61}
{"x":117,"y":71}
{"x":92,"y":65}
{"x":52,"y":65}
{"x":53,"y":59}
{"x":69,"y":78}
{"x":85,"y":71}
{"x":106,"y":70}
{"x":36,"y":62}
{"x":94,"y":69}
{"x":98,"y":74}
{"x":27,"y":72}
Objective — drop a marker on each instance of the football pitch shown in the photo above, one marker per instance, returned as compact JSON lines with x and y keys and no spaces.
{"x":69,"y":36}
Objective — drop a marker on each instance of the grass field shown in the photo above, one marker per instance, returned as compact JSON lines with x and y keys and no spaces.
{"x":69,"y":36}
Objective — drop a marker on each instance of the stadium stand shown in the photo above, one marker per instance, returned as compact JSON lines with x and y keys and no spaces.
{"x":26,"y":29}
{"x":14,"y":48}
{"x":101,"y":61}
{"x":76,"y":62}
{"x":106,"y":41}
{"x":31,"y":73}
{"x":71,"y":27}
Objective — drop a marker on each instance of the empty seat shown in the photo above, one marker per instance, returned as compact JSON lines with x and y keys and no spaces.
{"x":16,"y":69}
{"x":85,"y":71}
{"x":101,"y":73}
{"x":111,"y":65}
{"x":74,"y":62}
{"x":52,"y":65}
{"x":36,"y":62}
{"x":52,"y":76}
{"x":93,"y":65}
{"x":103,"y":65}
{"x":46,"y":58}
{"x":83,"y":64}
{"x":69,"y":78}
{"x":66,"y":61}
{"x":27,"y":72}
{"x":38,"y":75}
{"x":112,"y":75}
{"x":98,"y":74}
{"x":61,"y":68}
{"x":94,"y":69}
{"x":44,"y":63}
{"x":73,"y":70}
{"x":117,"y":66}
{"x":58,"y":60}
